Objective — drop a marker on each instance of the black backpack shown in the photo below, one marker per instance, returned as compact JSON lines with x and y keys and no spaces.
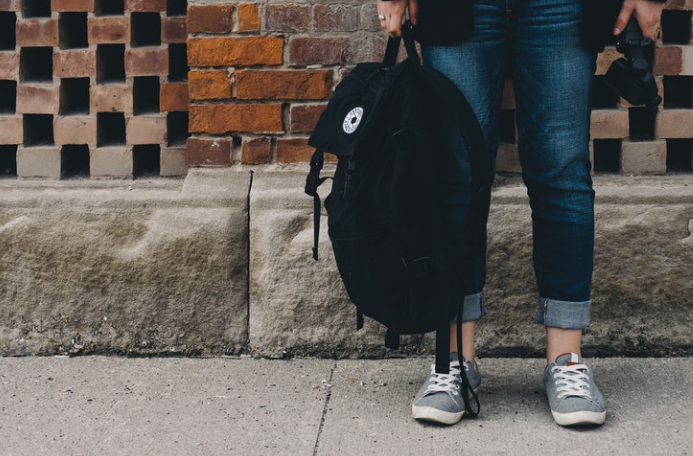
{"x":385,"y":123}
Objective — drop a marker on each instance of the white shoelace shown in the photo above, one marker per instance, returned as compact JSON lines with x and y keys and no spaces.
{"x":449,"y":383}
{"x":572,"y":380}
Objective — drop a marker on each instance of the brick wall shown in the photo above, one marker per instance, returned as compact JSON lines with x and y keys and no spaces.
{"x":102,"y":88}
{"x":261,"y":74}
{"x":93,"y":88}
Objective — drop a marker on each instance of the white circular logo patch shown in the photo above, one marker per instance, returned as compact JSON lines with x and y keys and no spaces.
{"x":352,"y":120}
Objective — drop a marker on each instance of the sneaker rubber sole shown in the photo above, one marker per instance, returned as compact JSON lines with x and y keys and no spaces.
{"x":433,"y":415}
{"x":579,"y":418}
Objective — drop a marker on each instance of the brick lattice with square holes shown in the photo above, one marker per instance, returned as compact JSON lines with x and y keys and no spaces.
{"x":93,"y":88}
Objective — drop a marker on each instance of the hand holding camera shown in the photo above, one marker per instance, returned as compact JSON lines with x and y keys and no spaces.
{"x":631,"y":77}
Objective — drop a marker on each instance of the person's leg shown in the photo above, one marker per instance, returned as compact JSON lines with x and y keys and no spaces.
{"x":476,"y":67}
{"x":552,"y":74}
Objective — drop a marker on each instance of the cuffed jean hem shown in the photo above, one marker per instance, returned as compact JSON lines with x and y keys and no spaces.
{"x":564,"y":314}
{"x":473,"y":308}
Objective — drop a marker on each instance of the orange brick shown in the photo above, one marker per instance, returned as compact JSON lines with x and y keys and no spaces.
{"x":138,"y":6}
{"x":223,"y":118}
{"x":256,"y":151}
{"x":37,"y":32}
{"x":74,"y":63}
{"x":9,"y":65}
{"x":146,"y":61}
{"x":209,"y":85}
{"x":173,"y":97}
{"x":283,"y":84}
{"x":293,"y":150}
{"x":248,"y":17}
{"x":244,"y":51}
{"x":173,"y":30}
{"x":208,"y":152}
{"x":38,"y":99}
{"x":72,"y":5}
{"x":210,"y":19}
{"x":107,"y":30}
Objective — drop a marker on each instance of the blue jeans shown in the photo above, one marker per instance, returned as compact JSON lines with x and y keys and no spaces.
{"x":552,"y":76}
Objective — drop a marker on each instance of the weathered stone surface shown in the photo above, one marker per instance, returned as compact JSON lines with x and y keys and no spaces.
{"x":159,"y":267}
{"x":643,"y":281}
{"x":124,"y":267}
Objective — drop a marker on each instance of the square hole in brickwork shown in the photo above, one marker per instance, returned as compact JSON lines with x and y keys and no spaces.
{"x":109,"y":7}
{"x":506,"y":127}
{"x":641,"y":123}
{"x":8,"y":97}
{"x":607,"y":156}
{"x":74,"y":161}
{"x":146,"y":160}
{"x":678,"y":92}
{"x":72,"y":29}
{"x":38,"y":130}
{"x":8,"y":27}
{"x":177,"y":62}
{"x":145,"y":95}
{"x":603,"y":96}
{"x":676,"y":27}
{"x":36,"y":8}
{"x":680,"y":155}
{"x":74,"y":96}
{"x":110,"y":128}
{"x":110,"y":63}
{"x":36,"y":64}
{"x":176,"y":7}
{"x":8,"y":161}
{"x":177,"y":128}
{"x":146,"y":29}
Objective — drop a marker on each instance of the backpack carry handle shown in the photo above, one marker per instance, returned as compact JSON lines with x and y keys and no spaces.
{"x":392,"y":50}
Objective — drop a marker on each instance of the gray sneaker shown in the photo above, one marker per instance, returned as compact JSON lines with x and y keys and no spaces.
{"x":573,"y":397}
{"x":439,"y":400}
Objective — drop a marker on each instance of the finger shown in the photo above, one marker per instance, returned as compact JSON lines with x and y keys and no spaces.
{"x":413,"y":11}
{"x":622,"y":19}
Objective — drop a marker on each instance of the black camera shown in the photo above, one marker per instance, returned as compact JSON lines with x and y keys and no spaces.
{"x":631,"y":77}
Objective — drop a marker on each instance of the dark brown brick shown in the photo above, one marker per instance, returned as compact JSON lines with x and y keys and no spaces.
{"x":210,"y":19}
{"x":337,"y":18}
{"x":256,"y":151}
{"x":208,"y":152}
{"x":287,"y":18}
{"x":304,"y":117}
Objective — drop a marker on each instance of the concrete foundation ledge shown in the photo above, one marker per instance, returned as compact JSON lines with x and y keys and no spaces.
{"x":220,"y":264}
{"x":125,"y":267}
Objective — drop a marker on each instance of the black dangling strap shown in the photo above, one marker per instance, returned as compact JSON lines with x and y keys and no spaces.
{"x":313,"y":181}
{"x":468,"y":393}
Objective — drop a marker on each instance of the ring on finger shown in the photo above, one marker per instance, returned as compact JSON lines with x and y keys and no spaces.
{"x":381,"y":17}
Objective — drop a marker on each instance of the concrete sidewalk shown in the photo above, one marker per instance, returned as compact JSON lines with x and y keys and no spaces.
{"x":244,"y":406}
